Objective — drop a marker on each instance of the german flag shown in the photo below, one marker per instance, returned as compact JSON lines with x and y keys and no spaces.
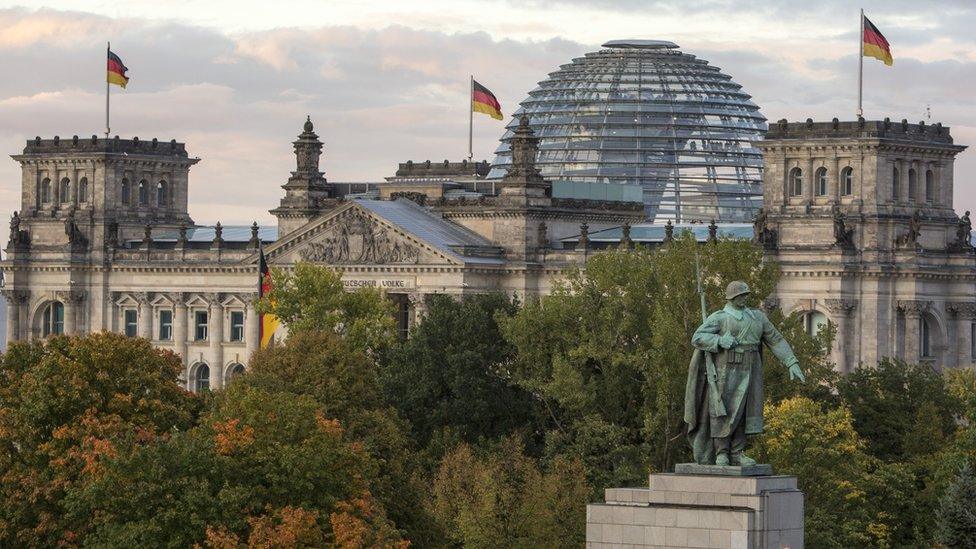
{"x":483,"y":101}
{"x":875,"y":44}
{"x":116,"y":70}
{"x":269,"y":323}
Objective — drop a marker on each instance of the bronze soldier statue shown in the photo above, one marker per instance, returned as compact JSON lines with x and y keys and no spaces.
{"x":732,"y":337}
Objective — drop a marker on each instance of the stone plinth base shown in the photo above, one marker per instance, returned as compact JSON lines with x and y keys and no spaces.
{"x":757,"y":470}
{"x":678,"y":510}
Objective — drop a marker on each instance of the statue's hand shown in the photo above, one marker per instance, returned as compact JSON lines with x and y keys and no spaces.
{"x":796,"y":372}
{"x":727,"y":341}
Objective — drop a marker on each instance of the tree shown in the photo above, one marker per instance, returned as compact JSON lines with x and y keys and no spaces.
{"x":900,"y":409}
{"x":67,"y":407}
{"x":260,"y":464}
{"x":499,"y":497}
{"x":851,"y":499}
{"x":607,"y":352}
{"x":313,"y":298}
{"x":452,"y":372}
{"x":345,"y":382}
{"x":956,"y":519}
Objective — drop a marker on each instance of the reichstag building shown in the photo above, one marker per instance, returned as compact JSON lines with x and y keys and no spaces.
{"x":624,"y":145}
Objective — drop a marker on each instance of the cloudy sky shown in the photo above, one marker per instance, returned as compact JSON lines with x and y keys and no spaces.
{"x":387,"y":81}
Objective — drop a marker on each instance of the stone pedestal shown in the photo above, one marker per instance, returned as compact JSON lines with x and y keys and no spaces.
{"x":681,"y":510}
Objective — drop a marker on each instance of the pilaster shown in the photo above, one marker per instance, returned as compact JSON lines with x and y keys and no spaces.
{"x":913,"y":310}
{"x":841,"y":311}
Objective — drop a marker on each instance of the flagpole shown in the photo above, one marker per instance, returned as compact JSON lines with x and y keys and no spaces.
{"x":860,"y":67}
{"x":108,"y":92}
{"x":471,"y":121}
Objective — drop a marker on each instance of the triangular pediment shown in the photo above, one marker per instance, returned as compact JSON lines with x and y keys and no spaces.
{"x":354,"y":235}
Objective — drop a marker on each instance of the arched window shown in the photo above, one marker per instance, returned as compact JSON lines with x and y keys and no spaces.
{"x":52,"y":321}
{"x":929,"y":187}
{"x":813,"y":321}
{"x":895,"y":185}
{"x":847,"y":181}
{"x":795,"y":182}
{"x":201,"y":381}
{"x":45,"y":190}
{"x":64,"y":191}
{"x":126,"y":192}
{"x":83,"y":190}
{"x":236,"y":370}
{"x":821,"y":178}
{"x":161,"y":193}
{"x":143,"y":193}
{"x":912,"y":185}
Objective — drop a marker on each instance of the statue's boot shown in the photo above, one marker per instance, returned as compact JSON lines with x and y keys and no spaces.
{"x":743,"y":460}
{"x":722,"y":458}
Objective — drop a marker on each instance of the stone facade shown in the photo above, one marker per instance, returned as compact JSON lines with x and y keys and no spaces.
{"x":103,"y":241}
{"x":699,"y":511}
{"x":859,"y":216}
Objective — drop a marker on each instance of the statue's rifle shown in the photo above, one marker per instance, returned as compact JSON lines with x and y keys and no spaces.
{"x":715,"y":405}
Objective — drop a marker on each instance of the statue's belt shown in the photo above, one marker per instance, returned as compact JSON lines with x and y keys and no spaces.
{"x":737,"y":354}
{"x":740,"y":347}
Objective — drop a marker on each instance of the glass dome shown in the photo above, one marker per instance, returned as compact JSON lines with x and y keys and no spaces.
{"x":642,"y":112}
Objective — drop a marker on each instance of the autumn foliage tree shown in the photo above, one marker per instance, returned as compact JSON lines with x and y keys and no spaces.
{"x":261,"y":465}
{"x":68,"y":406}
{"x":496,"y":496}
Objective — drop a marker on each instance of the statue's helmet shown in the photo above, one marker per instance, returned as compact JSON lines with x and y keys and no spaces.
{"x":737,"y":288}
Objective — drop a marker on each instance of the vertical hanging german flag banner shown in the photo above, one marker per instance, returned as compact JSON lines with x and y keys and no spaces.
{"x":483,"y":101}
{"x":269,"y":323}
{"x":116,"y":71}
{"x":875,"y":44}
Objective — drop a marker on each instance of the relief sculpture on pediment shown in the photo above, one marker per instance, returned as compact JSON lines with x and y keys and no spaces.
{"x":359,"y":239}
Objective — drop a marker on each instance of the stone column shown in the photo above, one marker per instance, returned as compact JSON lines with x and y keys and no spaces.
{"x":71,"y":299}
{"x":15,"y":302}
{"x":145,"y":314}
{"x":961,"y":316}
{"x":903,"y":167}
{"x":913,"y":316}
{"x":179,"y":324}
{"x":251,"y":328}
{"x":834,"y":178}
{"x":808,"y":181}
{"x":841,"y":310}
{"x":418,"y":308}
{"x":216,"y":336}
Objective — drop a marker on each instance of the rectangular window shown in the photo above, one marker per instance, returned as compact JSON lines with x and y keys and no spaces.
{"x":200,"y":325}
{"x":165,"y":325}
{"x":131,"y":321}
{"x":237,"y":325}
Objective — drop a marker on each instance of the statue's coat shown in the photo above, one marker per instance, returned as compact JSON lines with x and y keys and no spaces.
{"x":741,"y":388}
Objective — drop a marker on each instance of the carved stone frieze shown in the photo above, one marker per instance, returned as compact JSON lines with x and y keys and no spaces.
{"x":15,"y":297}
{"x":358,"y":238}
{"x":71,"y":296}
{"x":913,"y":307}
{"x":843,"y":307}
{"x":961,"y":309}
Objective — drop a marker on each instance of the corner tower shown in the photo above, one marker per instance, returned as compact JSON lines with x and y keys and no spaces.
{"x":306,"y":193}
{"x":859,"y":216}
{"x":86,"y":193}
